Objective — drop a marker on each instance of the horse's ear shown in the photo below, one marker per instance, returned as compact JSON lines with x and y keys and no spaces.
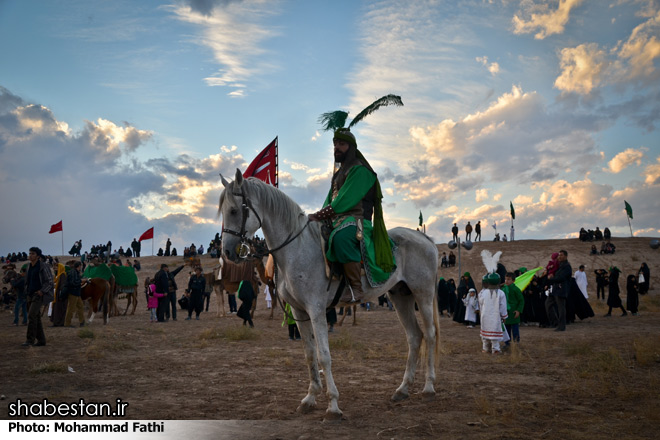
{"x":239,"y":178}
{"x":224,"y":181}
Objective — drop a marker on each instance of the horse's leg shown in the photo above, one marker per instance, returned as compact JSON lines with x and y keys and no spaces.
{"x":309,"y":346}
{"x":428,"y":309}
{"x":405,"y":308}
{"x":320,"y":326}
{"x":343,"y":316}
{"x":354,"y":314}
{"x":135,"y":299}
{"x":220,"y":297}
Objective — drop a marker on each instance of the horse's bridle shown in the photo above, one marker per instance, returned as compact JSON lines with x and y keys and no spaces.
{"x":244,"y":246}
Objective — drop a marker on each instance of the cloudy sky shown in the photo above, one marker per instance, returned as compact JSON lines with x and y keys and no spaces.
{"x":116,"y":116}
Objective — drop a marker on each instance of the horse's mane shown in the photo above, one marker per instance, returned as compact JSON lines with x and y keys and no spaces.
{"x":272,"y":199}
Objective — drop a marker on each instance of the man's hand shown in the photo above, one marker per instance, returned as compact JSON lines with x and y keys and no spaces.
{"x":312,"y":217}
{"x":516,"y":314}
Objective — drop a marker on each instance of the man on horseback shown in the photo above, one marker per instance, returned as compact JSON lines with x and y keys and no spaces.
{"x":349,"y":208}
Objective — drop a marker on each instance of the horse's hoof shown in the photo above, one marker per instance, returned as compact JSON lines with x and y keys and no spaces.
{"x":428,"y":396}
{"x":331,"y":416}
{"x":399,"y":396}
{"x":305,"y":408}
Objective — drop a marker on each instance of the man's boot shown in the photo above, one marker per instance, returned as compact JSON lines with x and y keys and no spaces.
{"x":353,"y":293}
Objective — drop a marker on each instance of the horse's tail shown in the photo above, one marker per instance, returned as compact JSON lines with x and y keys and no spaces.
{"x":104,"y":300}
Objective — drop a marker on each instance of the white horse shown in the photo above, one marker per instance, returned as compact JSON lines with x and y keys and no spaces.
{"x":249,"y":204}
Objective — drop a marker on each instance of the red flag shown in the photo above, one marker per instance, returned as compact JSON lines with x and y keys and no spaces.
{"x":56,"y":227}
{"x":148,"y":234}
{"x":264,"y":166}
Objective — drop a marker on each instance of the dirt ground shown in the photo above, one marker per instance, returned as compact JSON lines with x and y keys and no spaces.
{"x":599,"y":379}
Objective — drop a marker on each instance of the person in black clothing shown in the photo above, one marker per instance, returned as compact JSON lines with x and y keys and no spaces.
{"x":39,"y":289}
{"x":601,"y":282}
{"x":454,"y":232}
{"x":477,"y":231}
{"x":613,"y":299}
{"x":607,"y":234}
{"x":246,"y":295}
{"x":74,"y":302}
{"x":644,"y":278}
{"x":170,"y":299}
{"x":168,"y":245}
{"x":162,"y":286}
{"x":137,"y":247}
{"x":561,"y":285}
{"x":195,"y":292}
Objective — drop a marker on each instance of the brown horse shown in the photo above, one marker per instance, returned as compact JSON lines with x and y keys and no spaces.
{"x":230,"y":285}
{"x":98,"y":292}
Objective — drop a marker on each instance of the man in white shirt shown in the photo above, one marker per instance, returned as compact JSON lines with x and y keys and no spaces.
{"x":581,"y":280}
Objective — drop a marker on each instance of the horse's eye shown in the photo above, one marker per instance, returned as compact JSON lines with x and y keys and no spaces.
{"x":233,"y":211}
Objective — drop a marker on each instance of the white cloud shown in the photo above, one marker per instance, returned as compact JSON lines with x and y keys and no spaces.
{"x":624,"y":159}
{"x":493,"y":67}
{"x":481,"y":195}
{"x":582,"y":68}
{"x":652,"y":173}
{"x":235,"y":33}
{"x":589,"y":66}
{"x":538,"y":17}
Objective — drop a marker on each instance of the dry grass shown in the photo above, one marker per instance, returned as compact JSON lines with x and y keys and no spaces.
{"x":346,"y":342}
{"x":49,"y":368}
{"x":646,"y":352}
{"x":86,"y":333}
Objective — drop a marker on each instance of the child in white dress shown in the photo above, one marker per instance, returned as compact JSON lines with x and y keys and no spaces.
{"x":471,"y":307}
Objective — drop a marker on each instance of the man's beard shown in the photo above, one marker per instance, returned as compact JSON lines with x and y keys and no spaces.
{"x":340,"y":157}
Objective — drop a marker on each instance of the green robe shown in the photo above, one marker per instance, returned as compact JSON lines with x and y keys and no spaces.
{"x":514,"y":302}
{"x":343,"y":246}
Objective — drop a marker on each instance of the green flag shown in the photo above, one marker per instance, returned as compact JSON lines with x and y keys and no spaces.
{"x":628,"y":209}
{"x":421,"y":219}
{"x":513,"y":213}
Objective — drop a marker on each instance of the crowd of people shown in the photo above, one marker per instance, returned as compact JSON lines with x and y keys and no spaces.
{"x":597,"y":235}
{"x":552,"y":298}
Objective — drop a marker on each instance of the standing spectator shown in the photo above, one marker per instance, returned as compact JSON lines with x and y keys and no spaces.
{"x":294,"y":333}
{"x":513,"y":232}
{"x":468,"y":232}
{"x":644,"y":278}
{"x":477,"y":231}
{"x":18,"y":286}
{"x":492,"y":311}
{"x":168,"y":245}
{"x":607,"y":234}
{"x":196,"y":287}
{"x":581,"y":280}
{"x":170,"y":299}
{"x":137,"y":247}
{"x":75,"y":304}
{"x":59,"y":305}
{"x":152,"y":300}
{"x":560,"y":282}
{"x":601,"y":282}
{"x":246,"y":295}
{"x":39,"y":288}
{"x":613,"y":299}
{"x":515,"y":303}
{"x":471,"y":303}
{"x":443,"y":296}
{"x":161,"y":280}
{"x":632,"y":296}
{"x":454,"y":232}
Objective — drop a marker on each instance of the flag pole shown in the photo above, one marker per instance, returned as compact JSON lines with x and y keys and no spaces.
{"x":629,"y":225}
{"x":62,"y":231}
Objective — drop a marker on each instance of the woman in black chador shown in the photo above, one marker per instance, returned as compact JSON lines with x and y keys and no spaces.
{"x":613,"y":300}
